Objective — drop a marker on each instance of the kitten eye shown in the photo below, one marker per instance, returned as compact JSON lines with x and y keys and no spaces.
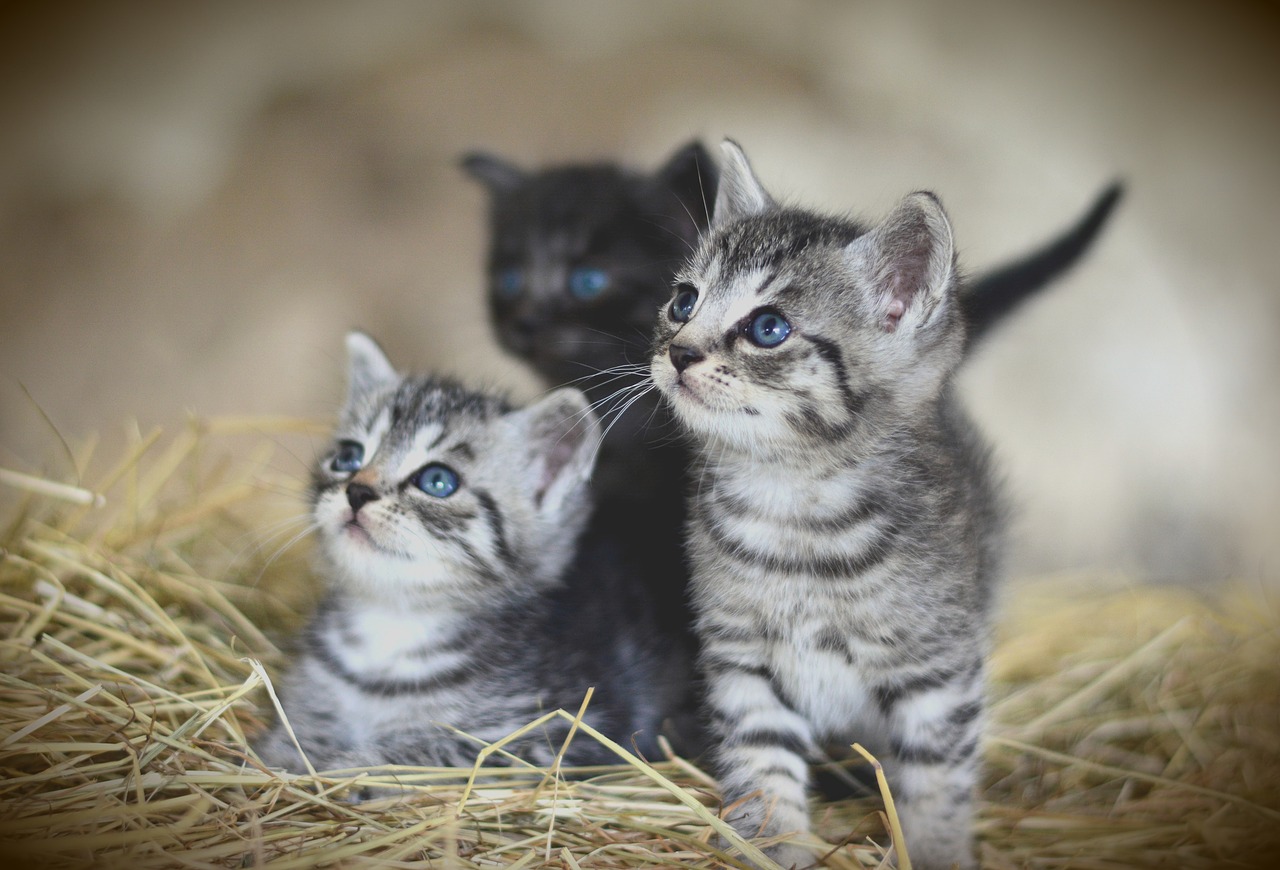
{"x":510,"y":283}
{"x":438,"y":480}
{"x":682,"y":305}
{"x":349,"y":457}
{"x":768,"y":329}
{"x":588,"y":283}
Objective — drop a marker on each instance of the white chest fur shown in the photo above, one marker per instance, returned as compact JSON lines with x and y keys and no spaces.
{"x":830,"y":692}
{"x":383,"y":643}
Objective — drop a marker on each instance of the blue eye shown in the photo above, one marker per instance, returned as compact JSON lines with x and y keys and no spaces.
{"x":510,"y":283}
{"x":587,"y":283}
{"x":348,"y":458}
{"x":768,"y":329}
{"x":438,"y":480}
{"x":682,"y":305}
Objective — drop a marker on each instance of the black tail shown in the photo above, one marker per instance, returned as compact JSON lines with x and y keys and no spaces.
{"x":990,"y":298}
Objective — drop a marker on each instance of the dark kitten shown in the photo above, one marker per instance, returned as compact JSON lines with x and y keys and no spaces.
{"x":580,"y":259}
{"x":581,"y":256}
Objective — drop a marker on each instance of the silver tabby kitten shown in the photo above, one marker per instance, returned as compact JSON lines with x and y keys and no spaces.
{"x":446,"y":520}
{"x":844,"y":528}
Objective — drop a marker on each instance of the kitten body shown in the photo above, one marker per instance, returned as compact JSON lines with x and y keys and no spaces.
{"x":446,"y":521}
{"x":844,"y":531}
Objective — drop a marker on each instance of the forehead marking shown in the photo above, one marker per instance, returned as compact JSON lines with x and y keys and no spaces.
{"x":767,"y":282}
{"x":414,"y":454}
{"x":425,"y":440}
{"x":743,"y":295}
{"x":376,"y":430}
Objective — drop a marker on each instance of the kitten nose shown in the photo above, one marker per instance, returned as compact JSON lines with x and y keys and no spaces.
{"x":682,"y":357}
{"x":359,"y":495}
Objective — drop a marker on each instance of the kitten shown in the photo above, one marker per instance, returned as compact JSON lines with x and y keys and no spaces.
{"x":446,"y":521}
{"x":844,"y":531}
{"x":580,"y":256}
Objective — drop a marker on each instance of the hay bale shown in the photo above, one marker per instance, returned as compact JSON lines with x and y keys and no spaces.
{"x":1131,"y":726}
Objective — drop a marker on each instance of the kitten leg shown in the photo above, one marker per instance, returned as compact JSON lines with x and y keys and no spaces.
{"x":760,"y":757}
{"x":933,"y":768}
{"x":276,"y":748}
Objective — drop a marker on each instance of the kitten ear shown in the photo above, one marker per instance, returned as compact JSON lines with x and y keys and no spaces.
{"x":367,"y":367}
{"x":493,"y":172}
{"x":560,"y":433}
{"x":909,"y":260}
{"x":739,"y":193}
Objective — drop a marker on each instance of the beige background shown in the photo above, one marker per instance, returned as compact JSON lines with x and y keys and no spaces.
{"x":195,"y":205}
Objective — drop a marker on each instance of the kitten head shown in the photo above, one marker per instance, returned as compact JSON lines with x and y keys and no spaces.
{"x":580,"y":255}
{"x":432,"y":492}
{"x":788,"y":327}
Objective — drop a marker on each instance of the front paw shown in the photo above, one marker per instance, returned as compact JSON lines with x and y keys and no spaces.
{"x":755,"y":820}
{"x":791,"y":855}
{"x":274,"y":749}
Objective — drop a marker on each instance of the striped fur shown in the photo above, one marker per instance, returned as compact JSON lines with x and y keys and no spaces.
{"x":844,"y":530}
{"x":446,"y":613}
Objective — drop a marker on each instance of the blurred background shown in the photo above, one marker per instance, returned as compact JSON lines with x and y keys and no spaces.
{"x":198,"y":200}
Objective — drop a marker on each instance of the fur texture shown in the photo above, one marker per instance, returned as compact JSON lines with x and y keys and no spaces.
{"x":844,"y":531}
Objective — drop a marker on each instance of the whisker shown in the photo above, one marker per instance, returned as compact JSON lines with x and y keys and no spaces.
{"x":283,"y":548}
{"x":617,"y":401}
{"x":619,"y":411}
{"x":263,"y":537}
{"x":615,"y":373}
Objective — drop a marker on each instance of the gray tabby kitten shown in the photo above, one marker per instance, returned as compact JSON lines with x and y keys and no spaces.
{"x":844,"y":530}
{"x":446,"y":520}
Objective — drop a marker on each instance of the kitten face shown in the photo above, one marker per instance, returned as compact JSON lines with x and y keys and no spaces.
{"x":429,"y":490}
{"x":581,"y":255}
{"x":745,"y":354}
{"x":787,"y":327}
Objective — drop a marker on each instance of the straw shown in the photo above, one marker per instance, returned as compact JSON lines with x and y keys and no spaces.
{"x":1129,"y":725}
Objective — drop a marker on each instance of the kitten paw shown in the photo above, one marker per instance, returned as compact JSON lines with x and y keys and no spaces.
{"x":791,"y":856}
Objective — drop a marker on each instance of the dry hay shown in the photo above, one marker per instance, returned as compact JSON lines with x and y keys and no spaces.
{"x":1130,"y":726}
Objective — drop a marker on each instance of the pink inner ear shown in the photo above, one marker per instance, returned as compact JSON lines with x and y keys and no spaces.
{"x":557,"y":458}
{"x":897,"y":308}
{"x":908,"y":255}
